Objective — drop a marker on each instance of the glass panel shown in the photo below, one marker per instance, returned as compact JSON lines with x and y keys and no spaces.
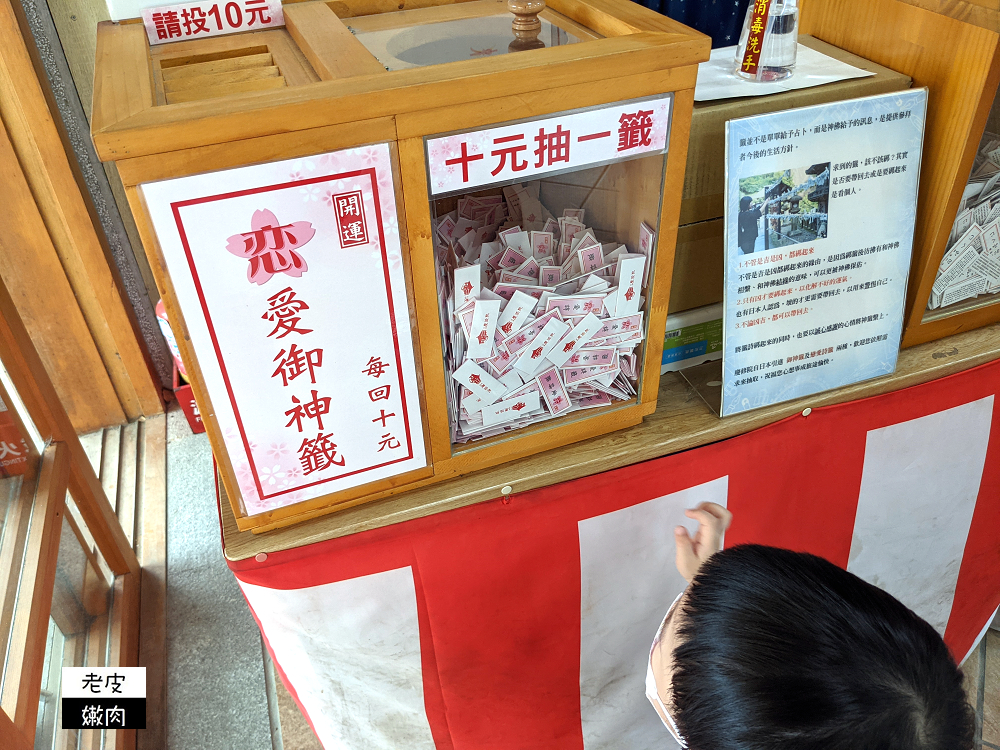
{"x":18,"y":477}
{"x":969,"y":274}
{"x":451,"y":41}
{"x":10,"y":396}
{"x":78,"y":632}
{"x":48,"y":704}
{"x":518,"y":251}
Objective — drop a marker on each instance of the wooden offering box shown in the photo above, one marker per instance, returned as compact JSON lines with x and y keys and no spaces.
{"x":402,"y":245}
{"x":959,"y":63}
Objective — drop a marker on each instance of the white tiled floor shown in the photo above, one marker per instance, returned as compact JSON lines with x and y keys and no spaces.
{"x":216,"y":698}
{"x":982,"y":683}
{"x":991,"y":691}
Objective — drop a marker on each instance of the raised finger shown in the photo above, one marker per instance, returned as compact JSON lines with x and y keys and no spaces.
{"x":686,"y":558}
{"x":719,"y":511}
{"x":704,"y":519}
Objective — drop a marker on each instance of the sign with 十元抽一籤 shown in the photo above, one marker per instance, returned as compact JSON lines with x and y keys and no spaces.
{"x":568,"y":141}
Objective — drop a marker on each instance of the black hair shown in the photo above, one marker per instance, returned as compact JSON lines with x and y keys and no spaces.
{"x":745,"y":203}
{"x":782,"y":650}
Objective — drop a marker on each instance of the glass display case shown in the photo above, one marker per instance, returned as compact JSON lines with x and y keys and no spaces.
{"x":968,"y":277}
{"x":432,"y":261}
{"x":543,"y":288}
{"x":406,"y":46}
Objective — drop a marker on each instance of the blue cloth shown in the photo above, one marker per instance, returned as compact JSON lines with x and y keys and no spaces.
{"x":720,"y":19}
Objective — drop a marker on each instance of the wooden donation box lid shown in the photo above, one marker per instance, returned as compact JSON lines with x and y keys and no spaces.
{"x":397,"y":246}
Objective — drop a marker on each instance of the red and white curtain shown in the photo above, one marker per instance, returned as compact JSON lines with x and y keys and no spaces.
{"x":527,"y":624}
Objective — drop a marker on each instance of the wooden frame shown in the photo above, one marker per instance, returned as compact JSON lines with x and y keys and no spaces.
{"x":628,"y":50}
{"x":929,"y":40}
{"x":128,"y":123}
{"x":28,"y":592}
{"x":36,"y":391}
{"x":19,"y":698}
{"x":33,"y":592}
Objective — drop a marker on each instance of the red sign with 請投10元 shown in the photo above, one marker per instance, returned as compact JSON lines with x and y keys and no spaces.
{"x":174,"y":23}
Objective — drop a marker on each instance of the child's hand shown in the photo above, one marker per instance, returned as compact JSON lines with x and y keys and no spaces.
{"x":713,"y":520}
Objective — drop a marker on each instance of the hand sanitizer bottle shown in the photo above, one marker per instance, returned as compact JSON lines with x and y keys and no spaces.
{"x":769,"y":41}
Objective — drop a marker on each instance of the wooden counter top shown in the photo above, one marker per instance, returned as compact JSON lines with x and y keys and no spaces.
{"x":682,"y":420}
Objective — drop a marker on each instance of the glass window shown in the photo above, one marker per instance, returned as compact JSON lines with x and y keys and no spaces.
{"x":78,"y":623}
{"x":78,"y":630}
{"x":19,"y":464}
{"x":44,"y":541}
{"x":969,"y":274}
{"x":18,"y":411}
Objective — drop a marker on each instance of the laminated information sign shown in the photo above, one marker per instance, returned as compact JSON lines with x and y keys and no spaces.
{"x":820,"y":209}
{"x":290,"y":280}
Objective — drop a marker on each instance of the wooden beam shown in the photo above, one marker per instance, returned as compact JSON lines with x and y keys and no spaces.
{"x":47,"y":303}
{"x":76,"y":23}
{"x":124,"y":646}
{"x":127,"y":470}
{"x":151,"y":547}
{"x":681,"y":421}
{"x":34,"y":128}
{"x":332,"y":50}
{"x":39,"y":396}
{"x":97,"y":643}
{"x":15,"y":535}
{"x":11,"y":737}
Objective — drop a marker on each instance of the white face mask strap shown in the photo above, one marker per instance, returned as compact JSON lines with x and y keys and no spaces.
{"x":672,"y":727}
{"x":668,"y":722}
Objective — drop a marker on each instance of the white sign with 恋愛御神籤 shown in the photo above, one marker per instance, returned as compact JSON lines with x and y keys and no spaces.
{"x":289,"y":277}
{"x":568,"y":141}
{"x":175,"y":23}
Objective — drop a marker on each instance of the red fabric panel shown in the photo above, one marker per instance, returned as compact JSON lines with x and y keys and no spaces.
{"x":795,"y":484}
{"x":977,"y":594}
{"x":498,"y":585}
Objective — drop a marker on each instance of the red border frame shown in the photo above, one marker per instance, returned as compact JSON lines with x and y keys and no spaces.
{"x":340,"y":226}
{"x":373,"y":178}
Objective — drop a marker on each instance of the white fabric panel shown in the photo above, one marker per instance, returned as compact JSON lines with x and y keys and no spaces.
{"x":979,"y":637}
{"x":918,"y":491}
{"x":627,"y":580}
{"x":352,"y":652}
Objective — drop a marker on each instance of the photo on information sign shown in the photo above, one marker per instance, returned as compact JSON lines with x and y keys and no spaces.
{"x":778,"y":209}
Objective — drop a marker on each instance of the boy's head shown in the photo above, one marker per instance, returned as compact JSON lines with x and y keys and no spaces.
{"x":780,"y":649}
{"x":745,"y":203}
